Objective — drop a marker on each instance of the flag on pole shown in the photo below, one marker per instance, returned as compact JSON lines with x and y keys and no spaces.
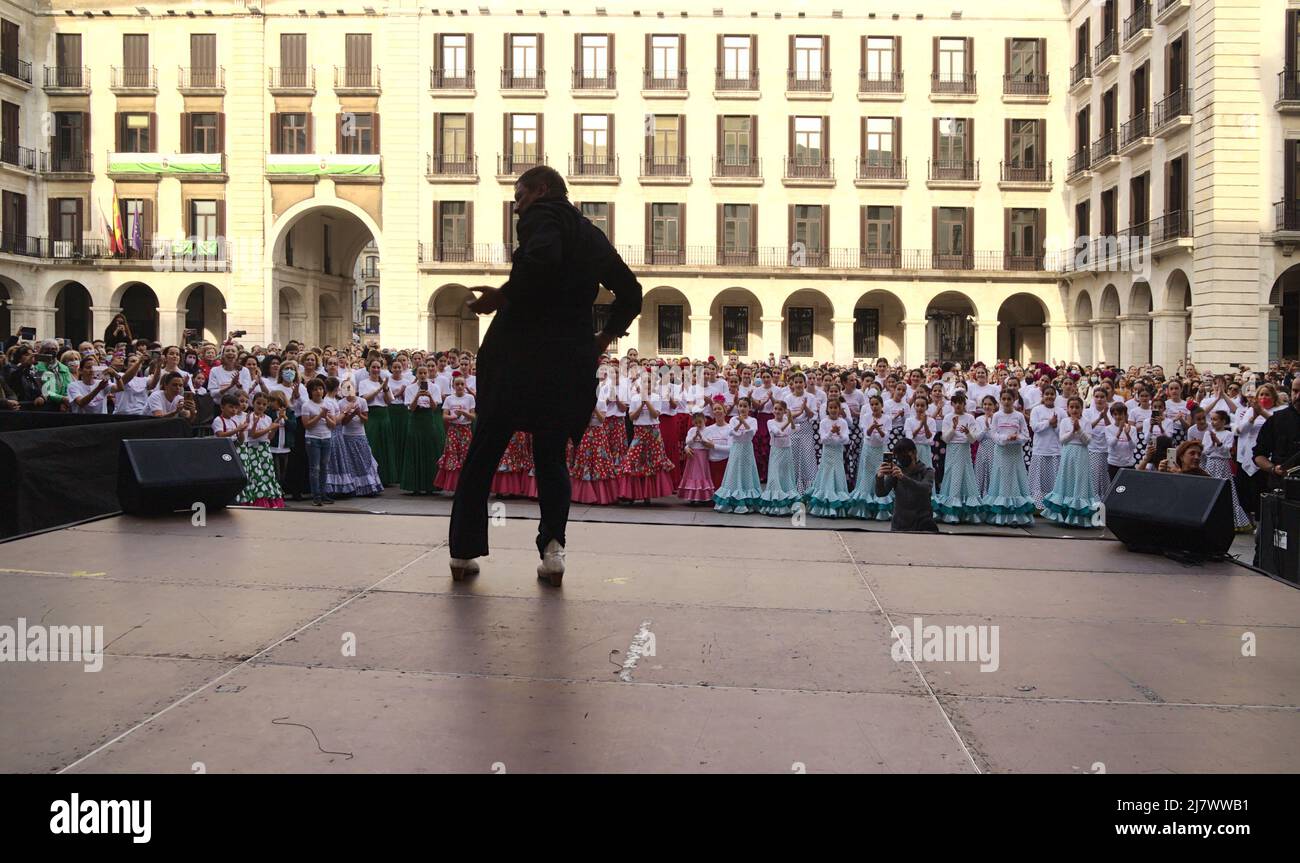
{"x":137,"y":243}
{"x":108,"y":226}
{"x":116,"y":244}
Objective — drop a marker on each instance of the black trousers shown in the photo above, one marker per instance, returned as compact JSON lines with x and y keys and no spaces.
{"x":468,"y":534}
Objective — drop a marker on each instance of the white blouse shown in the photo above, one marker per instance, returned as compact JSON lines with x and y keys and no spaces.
{"x":921,"y":434}
{"x":1218,"y":444}
{"x":964,"y":432}
{"x":454,"y":403}
{"x":1047,"y":439}
{"x":429,"y":398}
{"x":835,"y":431}
{"x":1007,"y":424}
{"x":743,"y":430}
{"x":778,"y":433}
{"x":1246,"y":427}
{"x":1074,"y":434}
{"x":875,"y":431}
{"x":720,"y":437}
{"x":1121,"y":449}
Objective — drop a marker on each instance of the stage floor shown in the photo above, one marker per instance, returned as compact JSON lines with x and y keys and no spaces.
{"x":227,"y":652}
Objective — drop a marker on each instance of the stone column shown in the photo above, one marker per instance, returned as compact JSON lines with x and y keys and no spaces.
{"x":100,"y":318}
{"x":771,"y":337}
{"x":842,"y":340}
{"x":1169,"y":338}
{"x":1105,"y":340}
{"x":986,"y":341}
{"x":700,"y":336}
{"x":1133,"y":339}
{"x":914,"y":342}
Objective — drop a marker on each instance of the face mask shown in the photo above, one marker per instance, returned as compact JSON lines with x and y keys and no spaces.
{"x":1266,"y":402}
{"x":261,"y":357}
{"x":290,"y":375}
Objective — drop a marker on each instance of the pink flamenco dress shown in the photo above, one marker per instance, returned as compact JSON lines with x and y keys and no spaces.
{"x":592,"y":472}
{"x":514,"y":476}
{"x":697,"y":480}
{"x":453,"y":456}
{"x":646,"y":472}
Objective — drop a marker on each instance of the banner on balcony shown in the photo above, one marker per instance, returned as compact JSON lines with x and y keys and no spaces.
{"x":308,"y":164}
{"x":156,"y":163}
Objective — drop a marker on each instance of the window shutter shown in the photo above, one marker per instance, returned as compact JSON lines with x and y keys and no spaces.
{"x":577,"y":53}
{"x":338,"y":133}
{"x":720,"y":150}
{"x":1040,"y":148}
{"x":85,"y":137}
{"x":719,"y":218}
{"x":753,"y":136}
{"x":610,"y":51}
{"x":826,"y":57}
{"x":119,"y":121}
{"x":153,"y":133}
{"x":790,"y":151}
{"x":970,"y":140}
{"x":935,"y":144}
{"x":753,"y":229}
{"x":609,"y":141}
{"x":541,"y":57}
{"x":55,"y":230}
{"x":506,"y":152}
{"x":81,"y":219}
{"x":508,"y":62}
{"x":753,"y":56}
{"x":897,"y":242}
{"x":789,"y":229}
{"x":970,"y":56}
{"x":1007,"y":60}
{"x":1292,"y":18}
{"x":541,"y":138}
{"x":719,"y":66}
{"x":1040,"y":232}
{"x":826,"y":139}
{"x":469,"y":140}
{"x":934,"y":230}
{"x":681,"y":228}
{"x":469,"y":56}
{"x":826,"y":233}
{"x":650,"y":143}
{"x":898,"y":142}
{"x":221,"y":132}
{"x":862,"y":55}
{"x":1040,"y":61}
{"x":374,"y":119}
{"x":936,"y":54}
{"x":577,"y":138}
{"x":649,"y":222}
{"x":507,"y":236}
{"x":221,"y":216}
{"x":862,"y":139}
{"x":185,"y":144}
{"x":898,"y":55}
{"x":649,"y":67}
{"x":275,"y":133}
{"x":681,"y":138}
{"x":311,"y":133}
{"x":1007,"y":245}
{"x":1288,"y":169}
{"x":1006,"y":149}
{"x":969,"y":247}
{"x":469,"y":224}
{"x":862,"y":228}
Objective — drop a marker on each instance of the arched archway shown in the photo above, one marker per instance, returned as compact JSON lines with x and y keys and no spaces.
{"x":330,"y":316}
{"x":1083,"y":329}
{"x":807,"y":331}
{"x":735,"y":323}
{"x":205,"y":313}
{"x":664,"y":325}
{"x":950,"y":329}
{"x":72,"y":319}
{"x":1176,"y":314}
{"x":451,"y":323}
{"x":1284,"y":331}
{"x":1137,"y":338}
{"x":878,"y":329}
{"x":140,"y":306}
{"x":7,"y":297}
{"x":1106,"y":330}
{"x":1022,"y":329}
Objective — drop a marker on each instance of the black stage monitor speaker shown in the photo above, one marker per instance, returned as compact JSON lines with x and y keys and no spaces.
{"x":157,"y":476}
{"x":1162,"y":513}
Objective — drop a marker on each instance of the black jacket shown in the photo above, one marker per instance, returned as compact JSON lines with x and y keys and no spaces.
{"x":537,"y":362}
{"x":913,"y":498}
{"x":1279,"y":440}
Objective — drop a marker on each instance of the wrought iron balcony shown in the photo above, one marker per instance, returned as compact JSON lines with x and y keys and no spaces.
{"x":882,"y":83}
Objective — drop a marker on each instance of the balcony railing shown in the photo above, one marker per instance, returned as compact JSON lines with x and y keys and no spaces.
{"x":21,"y":244}
{"x":1080,"y":162}
{"x":1286,"y":216}
{"x":1288,"y":85}
{"x":953,"y":82}
{"x":1171,"y":226}
{"x":15,"y":68}
{"x":773,"y":257}
{"x":67,"y":77}
{"x":509,"y":163}
{"x":354,"y":78}
{"x":891,"y":83}
{"x":1079,"y":71}
{"x":135,"y":77}
{"x":1108,"y":47}
{"x":512,"y":79}
{"x":733,"y":166}
{"x":593,"y":166}
{"x":948,"y":169}
{"x":370,"y":273}
{"x":451,"y":165}
{"x":442,"y":79}
{"x":1137,"y":22}
{"x":799,"y":168}
{"x":652,"y":80}
{"x":1104,"y":147}
{"x":878,"y":168}
{"x":1135,"y":129}
{"x":24,"y":157}
{"x":71,"y":163}
{"x":736,"y":80}
{"x":290,"y":78}
{"x":1040,"y":172}
{"x":1031,"y":84}
{"x":795,"y":82}
{"x":1173,"y":106}
{"x":665,"y":166}
{"x":201,"y":78}
{"x":585,"y":79}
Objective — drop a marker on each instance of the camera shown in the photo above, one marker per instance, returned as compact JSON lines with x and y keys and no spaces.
{"x":888,"y":458}
{"x":238,"y":334}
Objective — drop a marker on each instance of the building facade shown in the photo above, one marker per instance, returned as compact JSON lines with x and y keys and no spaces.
{"x":817,"y":179}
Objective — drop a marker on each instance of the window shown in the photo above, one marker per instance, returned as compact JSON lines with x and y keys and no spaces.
{"x":808,"y":141}
{"x":357,"y":134}
{"x":737,"y":141}
{"x":951,"y":232}
{"x":356,"y":54}
{"x":204,"y":228}
{"x":293,"y":60}
{"x":14,"y":214}
{"x":523,"y":55}
{"x":737,"y":53}
{"x":453,"y":228}
{"x":67,"y":221}
{"x":665,"y":144}
{"x":666,"y":227}
{"x":133,"y":219}
{"x":69,"y":141}
{"x":1083,"y":220}
{"x":799,"y":331}
{"x":879,"y":238}
{"x":135,"y":60}
{"x":135,"y":137}
{"x":599,"y":214}
{"x":735,"y":329}
{"x":1109,"y":219}
{"x":737,"y":232}
{"x":67,"y":58}
{"x":808,"y":234}
{"x":809,"y":58}
{"x":293,"y":133}
{"x":454,"y":56}
{"x":593,"y":61}
{"x":866,"y":332}
{"x":203,"y":60}
{"x":1023,"y":150}
{"x":523,"y":141}
{"x":1139,"y":201}
{"x":1024,"y":239}
{"x":670,"y":329}
{"x":1024,"y":59}
{"x":880,"y":142}
{"x":204,"y":134}
{"x":594,"y":144}
{"x":454,"y":140}
{"x":665,"y":57}
{"x":880,"y":59}
{"x":950,"y":147}
{"x":952,"y":61}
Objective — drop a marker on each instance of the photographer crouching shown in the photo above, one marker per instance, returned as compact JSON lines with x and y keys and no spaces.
{"x":913,"y":486}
